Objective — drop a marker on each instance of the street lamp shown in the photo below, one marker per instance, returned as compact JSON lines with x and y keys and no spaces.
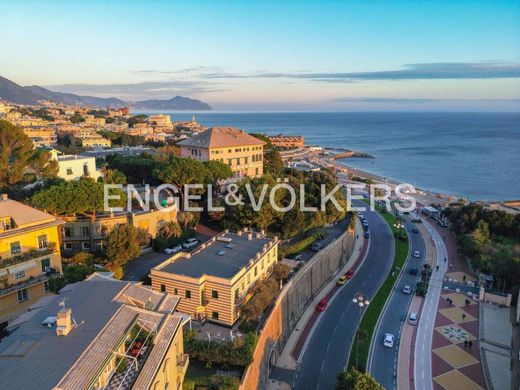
{"x":398,"y":225}
{"x":362,"y":301}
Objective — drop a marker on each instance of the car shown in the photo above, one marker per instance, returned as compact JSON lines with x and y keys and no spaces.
{"x":413,"y":271}
{"x":322,"y":305}
{"x":412,"y":318}
{"x":415,"y":230}
{"x":389,"y":340}
{"x":317,"y":246}
{"x":365,"y":228}
{"x":349,"y":274}
{"x":416,"y":254}
{"x":361,"y":217}
{"x":298,"y":257}
{"x":407,"y":289}
{"x":366,"y":234}
{"x":171,"y":251}
{"x":342,"y":280}
{"x":365,"y":222}
{"x":190,"y":243}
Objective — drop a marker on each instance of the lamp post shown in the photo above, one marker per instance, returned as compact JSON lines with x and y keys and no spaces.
{"x":362,"y":301}
{"x":398,"y":225}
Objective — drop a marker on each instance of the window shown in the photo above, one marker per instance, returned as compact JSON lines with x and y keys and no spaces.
{"x":214,"y":315}
{"x":69,"y":171}
{"x":263,"y":263}
{"x":248,"y":278}
{"x":256,"y":271}
{"x":19,"y":274}
{"x":23,"y":295}
{"x":85,"y":245}
{"x":67,"y":246}
{"x":237,"y":295}
{"x":163,"y":288}
{"x":85,"y":231}
{"x":16,"y":248}
{"x":246,"y":160}
{"x":46,"y":286}
{"x":42,"y":241}
{"x":175,"y":291}
{"x":46,"y":265}
{"x":214,"y":294}
{"x":188,"y":294}
{"x":67,"y":231}
{"x":256,"y":171}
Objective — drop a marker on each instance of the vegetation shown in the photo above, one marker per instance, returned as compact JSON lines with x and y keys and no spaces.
{"x":72,"y":273}
{"x":122,"y":244}
{"x":122,"y":139}
{"x":490,"y":239}
{"x":301,"y":245}
{"x":198,"y":377}
{"x":16,"y":151}
{"x":263,"y":293}
{"x":356,"y":380}
{"x":77,"y":118}
{"x":232,"y":353}
{"x":373,"y":311}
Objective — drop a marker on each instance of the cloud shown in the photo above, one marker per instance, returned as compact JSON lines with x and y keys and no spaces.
{"x":379,"y":100}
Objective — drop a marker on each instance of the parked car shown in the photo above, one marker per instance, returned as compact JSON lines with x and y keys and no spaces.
{"x":298,"y":257}
{"x":342,"y":280}
{"x":317,"y":246}
{"x":366,"y":234}
{"x":190,"y":243}
{"x":415,"y":230}
{"x":412,"y":318}
{"x":365,"y":228}
{"x":365,"y":222}
{"x":349,"y":274}
{"x":407,"y":289}
{"x":416,"y":254}
{"x":361,"y":217}
{"x":171,"y":251}
{"x":389,"y":340}
{"x":413,"y":271}
{"x":322,"y":305}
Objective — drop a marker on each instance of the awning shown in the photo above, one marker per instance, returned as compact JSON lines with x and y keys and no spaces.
{"x":22,"y":267}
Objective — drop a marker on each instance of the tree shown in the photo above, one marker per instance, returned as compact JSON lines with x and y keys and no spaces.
{"x":356,"y":380}
{"x":170,"y":229}
{"x":122,"y":244}
{"x":281,"y":271}
{"x":77,"y":118}
{"x":43,"y":165}
{"x":217,"y":171}
{"x":273,"y":163}
{"x":181,"y":171}
{"x":113,"y":176}
{"x":16,"y":150}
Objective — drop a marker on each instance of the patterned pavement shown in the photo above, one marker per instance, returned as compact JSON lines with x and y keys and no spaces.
{"x":454,"y":365}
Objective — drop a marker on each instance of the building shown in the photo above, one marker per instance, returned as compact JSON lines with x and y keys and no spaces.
{"x":123,"y":151}
{"x":80,"y":234}
{"x":74,"y":167}
{"x":91,"y":120}
{"x":95,"y":142}
{"x":29,"y":255}
{"x":216,"y":279}
{"x":96,"y":334}
{"x":241,"y":151}
{"x":161,"y":120}
{"x":287,"y":141}
{"x":41,"y":136}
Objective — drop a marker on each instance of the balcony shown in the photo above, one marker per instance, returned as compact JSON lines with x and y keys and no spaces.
{"x":182,"y":362}
{"x":9,"y":288}
{"x":27,"y":256}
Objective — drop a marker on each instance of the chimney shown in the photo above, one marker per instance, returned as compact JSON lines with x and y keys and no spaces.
{"x":64,"y":322}
{"x":5,"y":196}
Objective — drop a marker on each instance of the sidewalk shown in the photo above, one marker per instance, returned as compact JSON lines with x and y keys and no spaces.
{"x":296,"y":344}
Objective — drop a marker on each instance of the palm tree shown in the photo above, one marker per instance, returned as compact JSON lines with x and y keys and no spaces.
{"x":170,"y":229}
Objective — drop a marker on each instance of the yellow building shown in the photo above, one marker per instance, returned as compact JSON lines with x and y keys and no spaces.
{"x":29,"y":254}
{"x":101,"y":334}
{"x":217,"y":278}
{"x":241,"y":151}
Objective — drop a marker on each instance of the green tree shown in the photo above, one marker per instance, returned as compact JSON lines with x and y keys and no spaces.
{"x":181,"y":171}
{"x":170,"y":229}
{"x":356,"y":380}
{"x":77,"y":118}
{"x":122,"y":244}
{"x":273,"y":163}
{"x":113,"y":176}
{"x":16,"y":151}
{"x":217,"y":171}
{"x":43,"y":165}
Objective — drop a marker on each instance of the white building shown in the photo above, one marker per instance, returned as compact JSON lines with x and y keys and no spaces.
{"x":73,"y":167}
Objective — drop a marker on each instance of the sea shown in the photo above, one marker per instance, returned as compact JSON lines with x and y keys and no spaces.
{"x":469,"y":155}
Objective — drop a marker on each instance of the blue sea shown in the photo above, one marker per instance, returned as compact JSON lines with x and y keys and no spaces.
{"x":469,"y":155}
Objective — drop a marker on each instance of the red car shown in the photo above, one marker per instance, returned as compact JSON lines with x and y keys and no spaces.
{"x":349,"y":275}
{"x":322,"y":305}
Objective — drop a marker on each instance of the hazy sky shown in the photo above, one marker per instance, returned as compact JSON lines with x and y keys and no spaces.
{"x":357,"y":55}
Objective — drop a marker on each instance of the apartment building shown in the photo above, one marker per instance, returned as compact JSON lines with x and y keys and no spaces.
{"x":217,"y":278}
{"x":80,"y":234}
{"x":161,"y":120}
{"x":29,"y":255}
{"x":98,"y":334}
{"x":74,"y":167}
{"x":287,"y":141}
{"x":241,"y":151}
{"x":91,"y":120}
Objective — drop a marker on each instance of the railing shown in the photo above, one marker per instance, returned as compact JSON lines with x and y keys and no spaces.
{"x":14,"y":287}
{"x":182,"y":360}
{"x":27,"y":256}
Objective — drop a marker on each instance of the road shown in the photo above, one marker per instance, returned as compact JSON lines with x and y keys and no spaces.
{"x":327,"y":349}
{"x":423,"y":342}
{"x":383,"y":361}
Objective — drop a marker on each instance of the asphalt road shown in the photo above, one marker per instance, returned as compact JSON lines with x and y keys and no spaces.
{"x":327,"y":349}
{"x":383,"y":361}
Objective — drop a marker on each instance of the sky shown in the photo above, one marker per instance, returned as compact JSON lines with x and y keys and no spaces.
{"x":271,"y":56}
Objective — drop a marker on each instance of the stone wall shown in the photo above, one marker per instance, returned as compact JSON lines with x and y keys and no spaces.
{"x":291,"y":304}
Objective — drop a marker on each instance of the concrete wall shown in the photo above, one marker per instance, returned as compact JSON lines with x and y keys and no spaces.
{"x":495,"y":298}
{"x":291,"y":304}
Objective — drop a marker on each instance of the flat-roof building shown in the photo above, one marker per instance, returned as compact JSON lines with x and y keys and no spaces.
{"x":215,"y":279}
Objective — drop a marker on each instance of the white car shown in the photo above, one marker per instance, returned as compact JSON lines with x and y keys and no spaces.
{"x":407,"y":289}
{"x":416,"y":254}
{"x":412,"y":318}
{"x":389,"y":340}
{"x":190,"y":243}
{"x":171,"y":251}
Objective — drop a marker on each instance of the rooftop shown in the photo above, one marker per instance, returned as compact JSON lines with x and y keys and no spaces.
{"x":22,"y":215}
{"x":220,"y":137}
{"x":219,"y":258}
{"x":104,"y":310}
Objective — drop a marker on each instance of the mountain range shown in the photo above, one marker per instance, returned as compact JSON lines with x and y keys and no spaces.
{"x":35,"y":95}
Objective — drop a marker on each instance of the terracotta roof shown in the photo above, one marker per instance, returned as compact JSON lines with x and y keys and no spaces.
{"x":23,"y":215}
{"x":221,"y":137}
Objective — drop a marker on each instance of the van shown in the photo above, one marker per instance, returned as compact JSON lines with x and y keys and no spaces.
{"x":412,"y":318}
{"x":190,"y":243}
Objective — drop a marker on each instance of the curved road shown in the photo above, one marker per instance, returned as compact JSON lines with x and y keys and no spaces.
{"x":383,"y":361}
{"x":327,"y":349}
